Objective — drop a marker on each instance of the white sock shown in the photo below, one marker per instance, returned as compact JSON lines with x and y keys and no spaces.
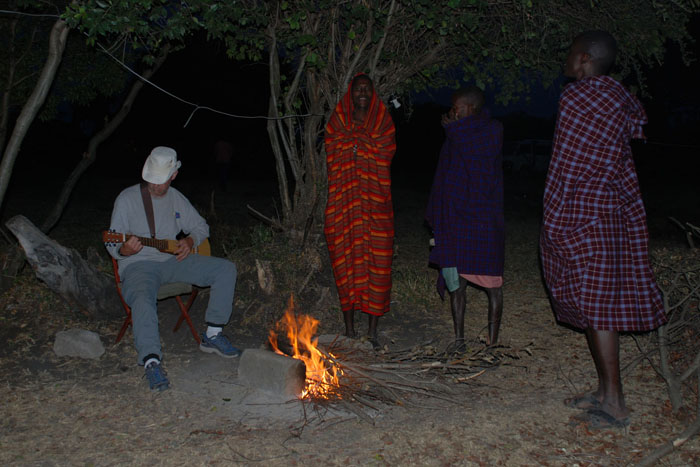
{"x":149,"y":361}
{"x":213,"y":331}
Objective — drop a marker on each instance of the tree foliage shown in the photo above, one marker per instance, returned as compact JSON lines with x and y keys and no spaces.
{"x":412,"y":45}
{"x":42,"y":66}
{"x":85,"y":73}
{"x":314,"y":47}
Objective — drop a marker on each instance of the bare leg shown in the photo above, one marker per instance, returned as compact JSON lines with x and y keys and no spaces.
{"x":495,"y":312}
{"x":458,"y":304}
{"x":372,"y":331}
{"x":349,"y":316}
{"x":605,"y":349}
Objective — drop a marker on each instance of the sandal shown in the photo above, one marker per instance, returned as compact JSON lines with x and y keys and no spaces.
{"x":598,"y":419}
{"x":583,"y":402}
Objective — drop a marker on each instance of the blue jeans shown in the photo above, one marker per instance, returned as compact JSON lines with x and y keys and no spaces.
{"x":141,"y":281}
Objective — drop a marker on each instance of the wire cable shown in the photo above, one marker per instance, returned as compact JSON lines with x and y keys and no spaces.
{"x":159,"y":88}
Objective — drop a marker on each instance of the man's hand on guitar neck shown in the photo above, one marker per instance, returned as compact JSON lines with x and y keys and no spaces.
{"x":184,"y":248}
{"x":130,"y":247}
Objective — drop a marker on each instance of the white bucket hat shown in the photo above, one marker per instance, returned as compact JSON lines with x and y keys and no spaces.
{"x":160,"y":165}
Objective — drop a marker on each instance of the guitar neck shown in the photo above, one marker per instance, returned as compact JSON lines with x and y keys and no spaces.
{"x":170,"y":246}
{"x":111,"y":237}
{"x":162,"y":245}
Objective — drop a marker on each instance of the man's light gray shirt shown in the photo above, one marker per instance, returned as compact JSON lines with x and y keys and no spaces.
{"x":171,"y":213}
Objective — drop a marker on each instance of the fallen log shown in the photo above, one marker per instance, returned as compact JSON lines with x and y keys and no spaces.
{"x":66,"y":273}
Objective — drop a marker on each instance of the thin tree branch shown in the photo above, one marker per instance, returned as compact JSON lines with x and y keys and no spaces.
{"x":57,"y":44}
{"x":106,"y":131}
{"x":380,"y":46}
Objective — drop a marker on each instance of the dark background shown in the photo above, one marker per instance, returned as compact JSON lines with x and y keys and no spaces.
{"x":667,"y":163}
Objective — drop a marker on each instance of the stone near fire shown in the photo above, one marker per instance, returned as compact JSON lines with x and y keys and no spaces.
{"x":78,"y":343}
{"x":271,"y":372}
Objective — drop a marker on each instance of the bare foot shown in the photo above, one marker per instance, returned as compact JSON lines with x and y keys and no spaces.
{"x":457,"y":347}
{"x":583,"y":401}
{"x":619,"y":413}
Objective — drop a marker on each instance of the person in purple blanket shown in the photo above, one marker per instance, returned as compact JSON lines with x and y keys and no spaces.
{"x":465,"y":210}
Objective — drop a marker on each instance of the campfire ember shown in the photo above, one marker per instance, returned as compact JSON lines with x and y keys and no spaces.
{"x":321,"y":374}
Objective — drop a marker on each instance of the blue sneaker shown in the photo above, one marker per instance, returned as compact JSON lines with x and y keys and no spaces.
{"x":157,"y":378}
{"x":220,"y":345}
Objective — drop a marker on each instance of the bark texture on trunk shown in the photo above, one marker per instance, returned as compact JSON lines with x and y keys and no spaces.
{"x":66,"y":273}
{"x":57,"y":44}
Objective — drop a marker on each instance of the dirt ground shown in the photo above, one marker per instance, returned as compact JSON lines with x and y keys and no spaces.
{"x":69,"y":411}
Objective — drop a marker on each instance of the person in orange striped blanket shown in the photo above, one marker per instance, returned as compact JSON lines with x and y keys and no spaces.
{"x":359,"y":218}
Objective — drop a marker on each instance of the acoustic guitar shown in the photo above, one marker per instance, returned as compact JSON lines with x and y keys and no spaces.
{"x":109,"y":237}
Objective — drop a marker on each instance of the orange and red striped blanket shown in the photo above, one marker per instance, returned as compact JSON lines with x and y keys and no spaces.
{"x":359,"y":219}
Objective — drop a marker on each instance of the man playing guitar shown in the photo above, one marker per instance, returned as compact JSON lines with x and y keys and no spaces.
{"x":154,"y":209}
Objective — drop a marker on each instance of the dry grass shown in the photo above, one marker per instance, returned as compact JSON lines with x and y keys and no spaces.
{"x":68,"y":411}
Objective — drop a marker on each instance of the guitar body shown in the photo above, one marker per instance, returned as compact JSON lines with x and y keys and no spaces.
{"x":166,"y":246}
{"x":203,"y":248}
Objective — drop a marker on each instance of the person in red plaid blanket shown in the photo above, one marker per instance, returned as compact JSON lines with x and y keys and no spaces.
{"x":594,"y":239}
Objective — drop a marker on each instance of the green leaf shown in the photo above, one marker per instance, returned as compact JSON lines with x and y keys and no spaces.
{"x":306,"y":39}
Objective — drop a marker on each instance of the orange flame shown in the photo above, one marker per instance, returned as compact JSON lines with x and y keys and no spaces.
{"x":321,"y":374}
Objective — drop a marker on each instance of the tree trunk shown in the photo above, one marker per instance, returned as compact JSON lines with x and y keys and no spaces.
{"x":12,"y":80}
{"x":673,"y":381}
{"x":315,"y":182}
{"x":91,"y":152}
{"x":272,"y":129}
{"x":57,"y":44}
{"x":66,"y":273}
{"x":7,"y":92}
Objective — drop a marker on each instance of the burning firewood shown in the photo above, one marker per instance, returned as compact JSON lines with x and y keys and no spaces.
{"x":342,"y":373}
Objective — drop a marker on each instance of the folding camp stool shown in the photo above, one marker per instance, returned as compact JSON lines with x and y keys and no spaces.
{"x":171,"y":289}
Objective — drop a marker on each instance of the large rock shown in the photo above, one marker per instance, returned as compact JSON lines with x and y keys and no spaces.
{"x":271,"y":372}
{"x":78,"y":343}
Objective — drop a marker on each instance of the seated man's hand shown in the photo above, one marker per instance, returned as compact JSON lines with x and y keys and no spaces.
{"x":131,"y":247}
{"x":184,"y":248}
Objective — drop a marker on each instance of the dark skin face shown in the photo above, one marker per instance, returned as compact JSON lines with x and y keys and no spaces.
{"x":461,"y":108}
{"x":578,"y":64}
{"x":361,"y":90}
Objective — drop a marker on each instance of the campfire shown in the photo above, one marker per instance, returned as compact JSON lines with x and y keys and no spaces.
{"x":321,"y":372}
{"x":374,"y":380}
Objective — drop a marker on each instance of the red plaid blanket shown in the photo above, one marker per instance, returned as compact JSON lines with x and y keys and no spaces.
{"x":594,"y":240}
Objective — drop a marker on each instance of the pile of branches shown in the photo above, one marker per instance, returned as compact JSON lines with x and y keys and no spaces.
{"x":692,"y":232}
{"x":371,"y":381}
{"x":678,"y":341}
